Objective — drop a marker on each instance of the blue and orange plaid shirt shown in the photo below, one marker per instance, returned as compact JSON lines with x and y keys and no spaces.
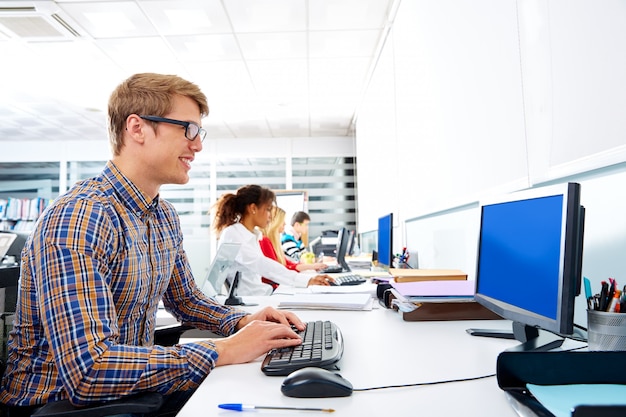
{"x":92,"y":274}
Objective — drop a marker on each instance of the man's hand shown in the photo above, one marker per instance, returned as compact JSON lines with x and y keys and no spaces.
{"x":271,"y":314}
{"x":257,"y":334}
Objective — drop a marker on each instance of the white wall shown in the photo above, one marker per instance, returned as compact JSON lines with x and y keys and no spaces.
{"x":472,"y":98}
{"x":476,"y":97}
{"x":444,"y":111}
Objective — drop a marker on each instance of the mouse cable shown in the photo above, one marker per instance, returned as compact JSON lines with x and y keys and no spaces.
{"x":418,"y":384}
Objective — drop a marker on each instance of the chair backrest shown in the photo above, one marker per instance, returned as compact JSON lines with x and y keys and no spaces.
{"x":9,"y":277}
{"x":220,"y":269}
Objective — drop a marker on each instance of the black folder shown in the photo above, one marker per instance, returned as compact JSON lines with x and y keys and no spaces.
{"x":516,"y":369}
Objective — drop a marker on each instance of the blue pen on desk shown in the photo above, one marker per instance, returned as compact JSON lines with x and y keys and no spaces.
{"x":246,"y":407}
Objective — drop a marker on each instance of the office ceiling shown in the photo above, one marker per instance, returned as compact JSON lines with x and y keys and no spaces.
{"x":270,"y":68}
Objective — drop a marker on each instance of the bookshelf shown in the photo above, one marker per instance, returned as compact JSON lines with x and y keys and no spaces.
{"x":22,"y":202}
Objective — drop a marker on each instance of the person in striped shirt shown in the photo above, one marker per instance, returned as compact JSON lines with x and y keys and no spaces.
{"x":104,"y":254}
{"x":291,"y":238}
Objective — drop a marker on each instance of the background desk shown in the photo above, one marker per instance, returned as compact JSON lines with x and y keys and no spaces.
{"x":380,"y":349}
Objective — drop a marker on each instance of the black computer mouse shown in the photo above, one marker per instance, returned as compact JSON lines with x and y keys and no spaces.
{"x":313,"y":382}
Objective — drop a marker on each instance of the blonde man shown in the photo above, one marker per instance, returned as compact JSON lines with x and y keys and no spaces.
{"x":103,"y":255}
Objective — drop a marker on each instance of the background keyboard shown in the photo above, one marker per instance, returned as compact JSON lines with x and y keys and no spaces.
{"x":351,"y":279}
{"x":322,"y":346}
{"x":331,"y":269}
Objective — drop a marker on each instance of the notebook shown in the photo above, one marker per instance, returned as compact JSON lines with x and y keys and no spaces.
{"x":6,"y":239}
{"x":220,"y":269}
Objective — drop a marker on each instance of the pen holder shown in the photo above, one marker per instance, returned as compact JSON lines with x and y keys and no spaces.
{"x":606,"y":331}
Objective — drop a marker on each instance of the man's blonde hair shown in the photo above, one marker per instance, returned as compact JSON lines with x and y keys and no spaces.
{"x":149,"y":94}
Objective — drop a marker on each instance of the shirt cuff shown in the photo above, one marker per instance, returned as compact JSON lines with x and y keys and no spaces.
{"x":302,"y":280}
{"x":202,"y":357}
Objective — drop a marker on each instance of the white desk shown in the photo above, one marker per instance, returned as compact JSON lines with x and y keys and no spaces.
{"x":380,"y":349}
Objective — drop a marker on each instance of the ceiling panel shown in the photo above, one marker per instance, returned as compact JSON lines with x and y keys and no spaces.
{"x":187,"y":17}
{"x":149,"y":54}
{"x":341,"y":44}
{"x":269,"y":68}
{"x":347,"y":14}
{"x":267,"y":15}
{"x":204,"y":48}
{"x":111,"y":19}
{"x":276,"y":78}
{"x":270,"y":46}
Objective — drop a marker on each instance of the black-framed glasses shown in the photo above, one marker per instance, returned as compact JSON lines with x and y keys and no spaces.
{"x":192,"y":130}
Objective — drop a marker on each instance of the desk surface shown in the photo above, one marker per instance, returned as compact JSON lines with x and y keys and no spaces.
{"x":380,"y":349}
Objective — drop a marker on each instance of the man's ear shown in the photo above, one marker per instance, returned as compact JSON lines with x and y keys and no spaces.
{"x":135,"y":126}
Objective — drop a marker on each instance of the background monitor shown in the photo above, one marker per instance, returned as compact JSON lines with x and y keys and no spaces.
{"x":385,"y":240}
{"x":351,"y":242}
{"x":343,"y":239}
{"x":18,"y":244}
{"x":6,"y":240}
{"x":530,"y":261}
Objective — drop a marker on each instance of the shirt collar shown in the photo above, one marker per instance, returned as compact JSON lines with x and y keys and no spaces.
{"x":256,"y":233}
{"x":291,"y":231}
{"x":131,"y":196}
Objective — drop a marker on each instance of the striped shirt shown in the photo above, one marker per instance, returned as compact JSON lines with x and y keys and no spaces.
{"x":92,"y":274}
{"x":292,"y":247}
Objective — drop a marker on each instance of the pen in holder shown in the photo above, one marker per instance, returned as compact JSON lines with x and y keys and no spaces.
{"x":606,"y":331}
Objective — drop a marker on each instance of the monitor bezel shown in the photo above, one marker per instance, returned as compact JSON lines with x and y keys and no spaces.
{"x":570,"y":255}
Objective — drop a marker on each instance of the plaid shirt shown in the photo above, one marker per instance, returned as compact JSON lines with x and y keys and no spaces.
{"x":98,"y":262}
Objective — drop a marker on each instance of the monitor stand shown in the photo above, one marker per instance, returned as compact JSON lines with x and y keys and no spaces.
{"x":531,"y":338}
{"x":232,"y":299}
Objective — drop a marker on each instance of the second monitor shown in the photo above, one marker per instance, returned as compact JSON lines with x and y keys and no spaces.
{"x":343,"y":238}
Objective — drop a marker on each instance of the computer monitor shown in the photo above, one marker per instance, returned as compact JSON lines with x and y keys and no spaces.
{"x":6,"y":240}
{"x":343,"y":239}
{"x":351,"y":242}
{"x":385,"y":240}
{"x":529,"y":263}
{"x":15,"y":250}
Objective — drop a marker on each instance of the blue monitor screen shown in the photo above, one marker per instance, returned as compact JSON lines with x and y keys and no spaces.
{"x":385,"y":240}
{"x":519,"y":259}
{"x":530,"y":256}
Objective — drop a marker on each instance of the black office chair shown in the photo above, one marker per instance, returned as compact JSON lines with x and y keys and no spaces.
{"x":148,"y":402}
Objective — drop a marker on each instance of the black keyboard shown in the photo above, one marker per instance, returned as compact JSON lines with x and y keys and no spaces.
{"x":322,"y":347}
{"x":331,"y":269}
{"x":351,"y":279}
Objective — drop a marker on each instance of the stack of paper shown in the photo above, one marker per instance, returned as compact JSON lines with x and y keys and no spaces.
{"x":366,"y":288}
{"x":421,"y":291}
{"x":328,"y":302}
